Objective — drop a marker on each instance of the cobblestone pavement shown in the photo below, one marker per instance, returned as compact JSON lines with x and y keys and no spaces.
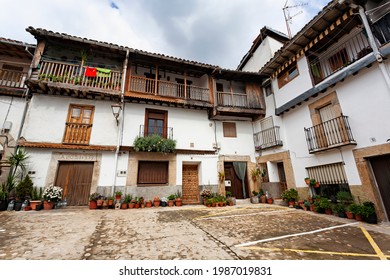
{"x":247,"y":231}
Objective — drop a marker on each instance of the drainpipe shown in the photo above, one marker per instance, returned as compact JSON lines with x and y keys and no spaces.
{"x":371,"y":41}
{"x":121,"y":121}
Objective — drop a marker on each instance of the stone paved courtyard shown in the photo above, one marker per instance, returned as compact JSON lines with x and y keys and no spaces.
{"x":247,"y":232}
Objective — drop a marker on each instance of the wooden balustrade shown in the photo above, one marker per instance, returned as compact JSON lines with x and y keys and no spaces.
{"x":62,"y":72}
{"x":169,"y":89}
{"x":14,"y":79}
{"x":77,"y":133}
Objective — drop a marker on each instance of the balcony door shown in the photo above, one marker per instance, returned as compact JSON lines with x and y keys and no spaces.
{"x":381,"y":168}
{"x":156,"y":122}
{"x":79,"y":125}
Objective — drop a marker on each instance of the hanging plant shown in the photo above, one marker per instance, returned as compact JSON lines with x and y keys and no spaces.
{"x":154,"y":143}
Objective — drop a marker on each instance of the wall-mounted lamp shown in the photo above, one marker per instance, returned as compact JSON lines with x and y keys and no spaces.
{"x":116,"y":111}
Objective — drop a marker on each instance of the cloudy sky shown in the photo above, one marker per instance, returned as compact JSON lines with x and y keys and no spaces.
{"x":217,"y":32}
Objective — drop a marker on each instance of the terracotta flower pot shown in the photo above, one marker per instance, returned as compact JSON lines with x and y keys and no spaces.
{"x":92,"y":204}
{"x":48,"y":205}
{"x":156,"y":203}
{"x":34,"y":203}
{"x":171,"y":203}
{"x":349,"y":215}
{"x":178,"y":202}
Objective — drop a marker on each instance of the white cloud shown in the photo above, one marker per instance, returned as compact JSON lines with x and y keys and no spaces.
{"x":210,"y":31}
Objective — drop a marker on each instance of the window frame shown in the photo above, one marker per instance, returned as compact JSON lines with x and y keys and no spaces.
{"x":229,"y":129}
{"x":164,"y":117}
{"x":71,"y":125}
{"x":286,"y":76}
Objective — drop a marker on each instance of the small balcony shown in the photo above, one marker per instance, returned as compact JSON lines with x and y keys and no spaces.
{"x":330,"y":134}
{"x":164,"y":132}
{"x":238,"y":100}
{"x":77,"y":133}
{"x":12,"y":79}
{"x":267,"y":138}
{"x":75,"y":76}
{"x":168,"y":89}
{"x":339,"y":56}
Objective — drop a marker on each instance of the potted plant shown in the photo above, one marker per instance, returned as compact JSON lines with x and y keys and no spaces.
{"x":171,"y":200}
{"x":307,"y":181}
{"x":209,"y":201}
{"x":3,"y":198}
{"x":255,"y":174}
{"x":206,"y":193}
{"x":148,"y":203}
{"x":51,"y":195}
{"x":350,"y":210}
{"x":339,"y":209}
{"x":118,"y":195}
{"x":127,"y":199}
{"x":290,"y":195}
{"x":306,"y":205}
{"x":368,"y":212}
{"x":325,"y":206}
{"x":110,"y":201}
{"x":163,"y":202}
{"x":93,"y":197}
{"x":255,"y":197}
{"x":156,"y":201}
{"x":178,"y":201}
{"x":36,"y":198}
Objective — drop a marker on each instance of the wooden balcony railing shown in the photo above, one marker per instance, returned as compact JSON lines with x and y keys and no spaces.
{"x":169,"y":89}
{"x":13,"y":79}
{"x":73,"y":74}
{"x":330,"y":134}
{"x":328,"y":62}
{"x":164,"y":132}
{"x":77,"y":133}
{"x":267,"y":138}
{"x":240,"y":100}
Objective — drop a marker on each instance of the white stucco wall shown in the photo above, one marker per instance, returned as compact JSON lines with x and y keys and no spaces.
{"x":47,"y":116}
{"x":11,"y":109}
{"x":207,"y":168}
{"x":262,"y":55}
{"x":295,"y":87}
{"x":39,"y":160}
{"x":189,"y":126}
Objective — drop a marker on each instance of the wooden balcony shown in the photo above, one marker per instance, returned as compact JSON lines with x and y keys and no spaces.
{"x":12,"y":79}
{"x":267,"y":138}
{"x":151,"y":87}
{"x":71,"y":78}
{"x":330,"y":134}
{"x":339,"y":56}
{"x":77,"y":133}
{"x":238,"y":100}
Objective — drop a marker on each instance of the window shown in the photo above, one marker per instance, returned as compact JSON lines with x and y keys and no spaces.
{"x":332,"y":179}
{"x":79,"y":124}
{"x":288,"y":75}
{"x":156,"y":122}
{"x":219,"y":87}
{"x":229,"y":129}
{"x":268,"y":90}
{"x":152,"y":172}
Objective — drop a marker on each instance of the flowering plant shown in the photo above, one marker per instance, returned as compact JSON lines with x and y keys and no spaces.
{"x":52,"y":193}
{"x":206,"y":193}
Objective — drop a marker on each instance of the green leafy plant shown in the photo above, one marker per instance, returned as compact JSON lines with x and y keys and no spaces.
{"x":290,"y":195}
{"x":154,"y":143}
{"x":344,"y":197}
{"x":94,"y":196}
{"x":24,"y":188}
{"x":338,"y":208}
{"x":171,"y":197}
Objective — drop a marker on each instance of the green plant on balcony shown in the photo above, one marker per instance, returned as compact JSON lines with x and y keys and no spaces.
{"x":154,"y":143}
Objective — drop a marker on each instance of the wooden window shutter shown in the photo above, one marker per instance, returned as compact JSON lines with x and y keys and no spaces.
{"x":229,"y":129}
{"x":152,"y":172}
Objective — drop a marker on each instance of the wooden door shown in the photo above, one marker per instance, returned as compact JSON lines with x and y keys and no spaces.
{"x":282,"y":177}
{"x":381,"y":168}
{"x":75,"y":178}
{"x":190,"y":183}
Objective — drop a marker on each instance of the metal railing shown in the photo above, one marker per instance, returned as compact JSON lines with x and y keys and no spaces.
{"x":330,"y":134}
{"x":77,"y":133}
{"x":13,"y":79}
{"x":169,"y":89}
{"x":268,"y":138}
{"x":346,"y":53}
{"x":381,"y":29}
{"x":164,"y":132}
{"x":74,"y":74}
